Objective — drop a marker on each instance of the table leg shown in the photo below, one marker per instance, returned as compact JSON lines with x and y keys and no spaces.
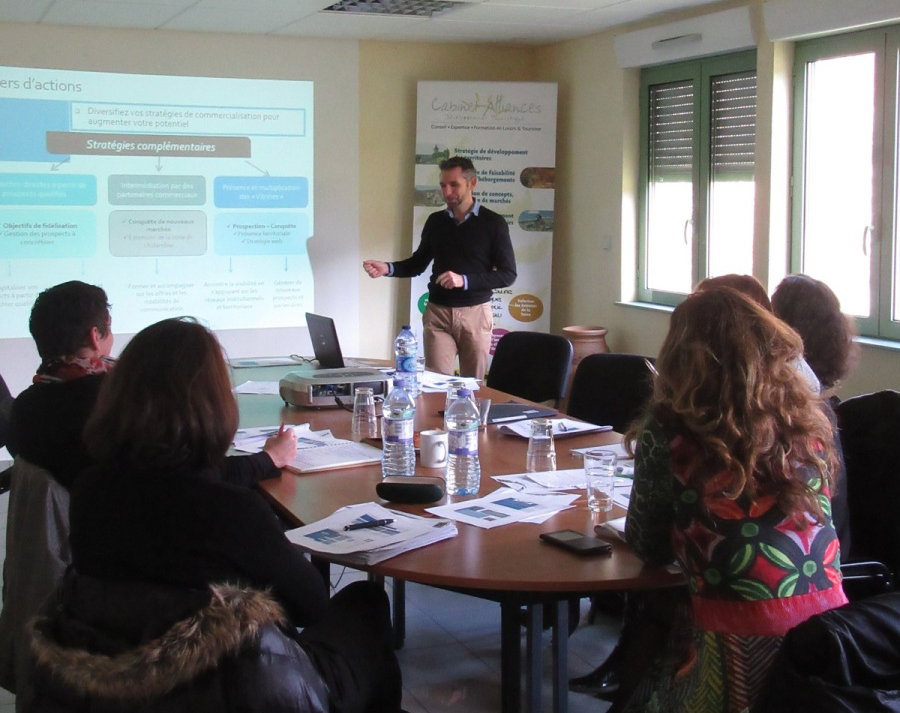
{"x":399,"y":613}
{"x":534,"y":627}
{"x":560,"y":647}
{"x":510,"y":658}
{"x":323,"y":566}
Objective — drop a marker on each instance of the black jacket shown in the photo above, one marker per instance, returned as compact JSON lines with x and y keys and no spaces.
{"x":133,"y":646}
{"x":846,"y":660}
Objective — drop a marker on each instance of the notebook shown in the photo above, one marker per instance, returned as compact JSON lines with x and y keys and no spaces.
{"x":325,"y":343}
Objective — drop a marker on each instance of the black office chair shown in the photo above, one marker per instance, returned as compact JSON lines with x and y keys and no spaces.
{"x":869,"y":425}
{"x":531,"y":365}
{"x":610,"y":389}
{"x":846,"y":659}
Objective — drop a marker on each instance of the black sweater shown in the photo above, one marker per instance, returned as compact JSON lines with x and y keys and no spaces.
{"x":478,"y":248}
{"x":186,"y":529}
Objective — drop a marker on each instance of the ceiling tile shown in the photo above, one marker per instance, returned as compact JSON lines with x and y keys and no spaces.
{"x":102,"y":13}
{"x":18,"y":11}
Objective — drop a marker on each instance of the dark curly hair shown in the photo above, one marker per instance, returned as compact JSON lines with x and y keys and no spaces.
{"x":813,"y":310}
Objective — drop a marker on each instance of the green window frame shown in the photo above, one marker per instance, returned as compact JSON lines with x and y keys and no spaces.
{"x":697,"y":173}
{"x":845,"y":205}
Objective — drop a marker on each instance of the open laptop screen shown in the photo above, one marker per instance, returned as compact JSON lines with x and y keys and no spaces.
{"x":325,"y":343}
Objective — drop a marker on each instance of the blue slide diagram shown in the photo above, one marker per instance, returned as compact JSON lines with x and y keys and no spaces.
{"x":179,"y":195}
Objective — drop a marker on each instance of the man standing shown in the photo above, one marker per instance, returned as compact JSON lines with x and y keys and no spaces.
{"x":472,"y":255}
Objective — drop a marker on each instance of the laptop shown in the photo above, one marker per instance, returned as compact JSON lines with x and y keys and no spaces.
{"x":325,"y":343}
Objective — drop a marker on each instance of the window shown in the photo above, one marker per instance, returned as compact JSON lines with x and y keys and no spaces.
{"x":845,"y":173}
{"x":697,"y":174}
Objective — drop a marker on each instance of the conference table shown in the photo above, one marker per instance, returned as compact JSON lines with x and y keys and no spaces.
{"x":508,"y":564}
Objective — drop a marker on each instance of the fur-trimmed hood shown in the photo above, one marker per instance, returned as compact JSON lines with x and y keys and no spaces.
{"x":232,"y":618}
{"x":95,"y":645}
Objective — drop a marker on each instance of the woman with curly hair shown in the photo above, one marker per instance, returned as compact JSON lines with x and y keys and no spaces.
{"x":734,"y":465}
{"x":814,"y":311}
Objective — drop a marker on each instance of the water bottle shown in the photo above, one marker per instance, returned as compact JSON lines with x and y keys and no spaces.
{"x":398,"y":454}
{"x":406,"y":352}
{"x":463,"y":467}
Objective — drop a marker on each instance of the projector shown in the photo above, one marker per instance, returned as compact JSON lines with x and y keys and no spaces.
{"x":320,"y":388}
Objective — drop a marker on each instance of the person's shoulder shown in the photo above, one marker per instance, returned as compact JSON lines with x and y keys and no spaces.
{"x":486,"y":213}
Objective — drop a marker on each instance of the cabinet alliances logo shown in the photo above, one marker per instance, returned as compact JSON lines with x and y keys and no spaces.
{"x":484,"y":106}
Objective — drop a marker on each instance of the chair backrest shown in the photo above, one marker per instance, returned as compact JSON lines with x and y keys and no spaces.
{"x":610,"y":389}
{"x":531,"y":365}
{"x":37,"y":555}
{"x":870,"y":438}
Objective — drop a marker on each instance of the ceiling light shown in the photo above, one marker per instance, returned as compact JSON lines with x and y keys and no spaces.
{"x":420,"y":8}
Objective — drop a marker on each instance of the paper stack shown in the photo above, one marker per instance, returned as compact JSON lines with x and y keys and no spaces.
{"x":368,"y":545}
{"x":316,"y":450}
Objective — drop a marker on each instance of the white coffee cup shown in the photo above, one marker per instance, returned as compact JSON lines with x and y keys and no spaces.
{"x":433,"y":448}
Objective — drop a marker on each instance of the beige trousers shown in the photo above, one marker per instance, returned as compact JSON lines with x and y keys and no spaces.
{"x":465,"y":331}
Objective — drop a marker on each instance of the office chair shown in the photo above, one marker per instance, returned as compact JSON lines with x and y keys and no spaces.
{"x":37,"y":555}
{"x":869,"y":425}
{"x":846,"y":659}
{"x":531,"y":365}
{"x":610,"y":389}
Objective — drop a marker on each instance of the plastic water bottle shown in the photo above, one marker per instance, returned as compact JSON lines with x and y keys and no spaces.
{"x":406,"y":352}
{"x":463,"y":467}
{"x":398,"y":454}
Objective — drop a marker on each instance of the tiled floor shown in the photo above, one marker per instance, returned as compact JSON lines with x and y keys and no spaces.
{"x":451,"y":660}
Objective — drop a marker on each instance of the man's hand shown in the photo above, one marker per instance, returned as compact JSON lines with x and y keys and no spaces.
{"x":450,"y":280}
{"x":375,"y":268}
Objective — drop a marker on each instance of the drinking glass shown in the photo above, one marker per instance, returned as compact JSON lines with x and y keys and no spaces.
{"x":364,"y":423}
{"x":484,"y":410}
{"x":600,"y":479}
{"x":541,"y":450}
{"x":453,"y":387}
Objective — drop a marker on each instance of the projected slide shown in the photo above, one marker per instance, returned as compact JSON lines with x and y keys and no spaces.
{"x":178,"y":195}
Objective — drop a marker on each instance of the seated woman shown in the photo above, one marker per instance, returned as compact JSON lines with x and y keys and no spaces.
{"x":814,"y":311}
{"x":733,"y":469}
{"x":185,"y":594}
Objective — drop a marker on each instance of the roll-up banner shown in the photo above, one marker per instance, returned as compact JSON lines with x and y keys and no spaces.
{"x":508,"y":129}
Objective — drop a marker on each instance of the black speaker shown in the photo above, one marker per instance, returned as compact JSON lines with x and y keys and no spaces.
{"x":411,"y":489}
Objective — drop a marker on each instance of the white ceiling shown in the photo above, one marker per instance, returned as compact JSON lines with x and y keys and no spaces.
{"x":501,"y":21}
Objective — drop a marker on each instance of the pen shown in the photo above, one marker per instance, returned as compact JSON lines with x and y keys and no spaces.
{"x":369,"y":523}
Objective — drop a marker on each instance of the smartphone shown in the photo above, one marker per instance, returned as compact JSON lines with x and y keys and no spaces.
{"x":577,"y":542}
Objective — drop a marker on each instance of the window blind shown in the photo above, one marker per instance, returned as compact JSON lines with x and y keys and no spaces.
{"x":733,"y":128}
{"x":671,"y":128}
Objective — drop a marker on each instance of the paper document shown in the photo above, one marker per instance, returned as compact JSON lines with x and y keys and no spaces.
{"x":617,"y":448}
{"x":566,"y":479}
{"x":615,"y":526}
{"x":431,"y":382}
{"x":505,"y":506}
{"x":316,"y":450}
{"x":369,"y":545}
{"x":265,"y":361}
{"x":257,"y":387}
{"x":562,"y":427}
